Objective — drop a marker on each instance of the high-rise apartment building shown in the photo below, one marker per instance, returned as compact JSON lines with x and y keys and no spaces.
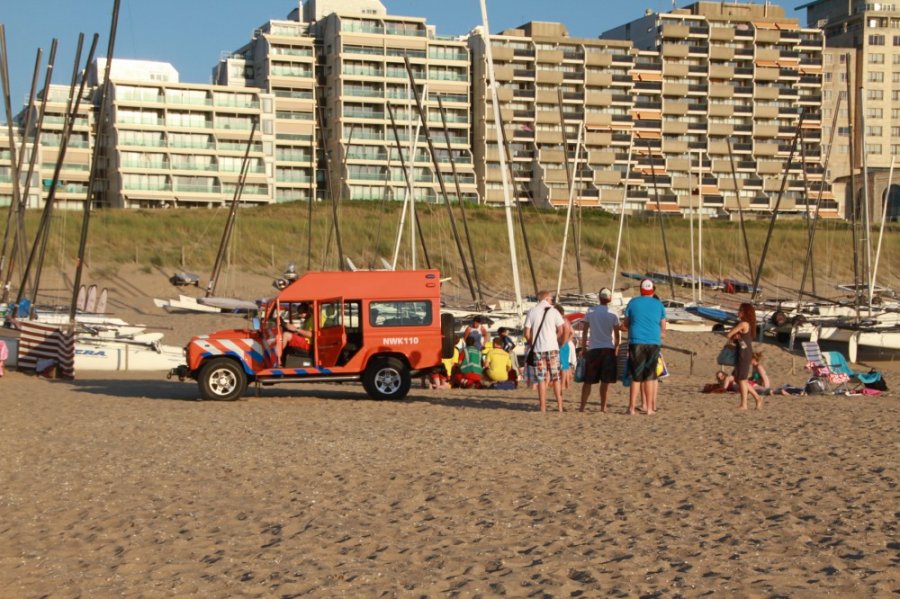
{"x":72,"y":183}
{"x":863,"y":43}
{"x":280,"y":60}
{"x":176,"y":144}
{"x":364,"y":82}
{"x":654,"y":104}
{"x":548,"y":85}
{"x":713,"y":73}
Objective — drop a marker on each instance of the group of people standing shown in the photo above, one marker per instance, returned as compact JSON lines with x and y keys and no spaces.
{"x":645,"y":322}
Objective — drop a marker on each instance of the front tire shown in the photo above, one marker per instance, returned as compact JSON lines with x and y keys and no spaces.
{"x":387,"y":378}
{"x":222,"y":379}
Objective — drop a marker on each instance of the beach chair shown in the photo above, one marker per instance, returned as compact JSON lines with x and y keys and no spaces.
{"x":834,"y":382}
{"x":838,"y":363}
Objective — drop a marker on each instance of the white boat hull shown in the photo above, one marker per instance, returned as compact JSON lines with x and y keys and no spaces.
{"x":104,"y":355}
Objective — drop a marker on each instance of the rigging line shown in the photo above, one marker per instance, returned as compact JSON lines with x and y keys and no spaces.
{"x":754,"y":292}
{"x":737,"y":196}
{"x":232,"y":215}
{"x":814,"y":221}
{"x":662,"y":228}
{"x":381,"y":211}
{"x":460,"y":199}
{"x":440,"y":175}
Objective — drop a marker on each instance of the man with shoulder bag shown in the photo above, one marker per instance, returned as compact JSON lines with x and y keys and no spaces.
{"x":544,"y":327}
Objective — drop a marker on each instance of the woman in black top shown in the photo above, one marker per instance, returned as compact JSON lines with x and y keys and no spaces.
{"x":742,"y":336}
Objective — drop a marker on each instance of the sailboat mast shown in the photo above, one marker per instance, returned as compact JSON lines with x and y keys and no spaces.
{"x":26,"y":126}
{"x":700,"y":225}
{"x":815,"y":220}
{"x":762,"y":259}
{"x":853,"y":203}
{"x":17,"y":192}
{"x":622,"y":211}
{"x":571,"y":203}
{"x":95,"y":159}
{"x":232,"y":215}
{"x":737,"y":196}
{"x":691,"y":211}
{"x":867,"y":238}
{"x":459,"y":198}
{"x":498,"y":124}
{"x":440,"y":176}
{"x":576,"y":230}
{"x":38,"y":249}
{"x":887,"y":197}
{"x":662,"y":228}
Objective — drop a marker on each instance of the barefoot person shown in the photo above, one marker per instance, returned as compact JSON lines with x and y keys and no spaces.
{"x":645,"y":321}
{"x":742,"y":335}
{"x":600,"y":338}
{"x":544,"y":327}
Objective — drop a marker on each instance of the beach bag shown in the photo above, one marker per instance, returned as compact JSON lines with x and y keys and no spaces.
{"x":728,"y":356}
{"x":878,"y":385}
{"x":579,"y":370}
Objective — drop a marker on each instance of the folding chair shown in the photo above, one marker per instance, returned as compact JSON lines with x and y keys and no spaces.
{"x":838,"y":363}
{"x":835,"y":382}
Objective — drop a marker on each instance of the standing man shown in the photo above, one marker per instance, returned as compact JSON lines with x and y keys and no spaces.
{"x":600,"y":338}
{"x":544,"y":327}
{"x":645,"y":321}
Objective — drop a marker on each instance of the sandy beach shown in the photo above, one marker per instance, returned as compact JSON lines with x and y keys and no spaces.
{"x":116,"y":485}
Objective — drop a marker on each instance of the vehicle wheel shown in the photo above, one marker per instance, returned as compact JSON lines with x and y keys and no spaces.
{"x":222,"y":379}
{"x":387,"y":378}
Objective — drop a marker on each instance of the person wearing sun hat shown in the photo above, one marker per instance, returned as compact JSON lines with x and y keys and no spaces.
{"x":600,"y":337}
{"x":645,"y":321}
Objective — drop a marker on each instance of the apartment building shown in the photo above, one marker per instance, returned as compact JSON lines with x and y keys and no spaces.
{"x":72,"y":182}
{"x":863,"y":43}
{"x":280,"y":60}
{"x":553,"y":91}
{"x":716,"y":73}
{"x":372,"y":126}
{"x":177,"y":144}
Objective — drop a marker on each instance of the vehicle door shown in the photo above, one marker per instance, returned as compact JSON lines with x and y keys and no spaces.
{"x":331,"y":332}
{"x":271,"y":334}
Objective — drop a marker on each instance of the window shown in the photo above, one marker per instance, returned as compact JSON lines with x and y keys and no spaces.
{"x":876,"y":40}
{"x":876,"y":58}
{"x":895,"y":131}
{"x":874,"y":94}
{"x":895,"y":97}
{"x":400,"y":313}
{"x":876,"y":76}
{"x":896,"y":41}
{"x":873,"y":148}
{"x":874,"y":113}
{"x":874,"y":130}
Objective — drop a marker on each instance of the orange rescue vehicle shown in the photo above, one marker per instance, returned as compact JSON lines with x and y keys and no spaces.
{"x":378,"y":327}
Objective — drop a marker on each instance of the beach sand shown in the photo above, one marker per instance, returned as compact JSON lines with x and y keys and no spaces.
{"x":124,"y":484}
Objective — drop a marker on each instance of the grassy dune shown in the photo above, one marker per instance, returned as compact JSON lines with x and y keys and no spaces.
{"x":265,"y":239}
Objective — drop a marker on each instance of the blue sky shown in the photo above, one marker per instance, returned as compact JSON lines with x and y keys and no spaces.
{"x":191,"y":34}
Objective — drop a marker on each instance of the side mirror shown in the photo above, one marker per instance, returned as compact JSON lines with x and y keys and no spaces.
{"x":255,"y":323}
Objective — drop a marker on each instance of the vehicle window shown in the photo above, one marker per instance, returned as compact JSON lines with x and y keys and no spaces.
{"x":330,"y":315}
{"x":400,"y":314}
{"x":351,"y":314}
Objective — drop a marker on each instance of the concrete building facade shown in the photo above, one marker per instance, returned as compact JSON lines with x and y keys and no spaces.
{"x":713,"y":73}
{"x":863,"y":43}
{"x":655,"y":102}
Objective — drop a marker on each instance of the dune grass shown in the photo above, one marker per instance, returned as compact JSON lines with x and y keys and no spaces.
{"x":266,"y":239}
